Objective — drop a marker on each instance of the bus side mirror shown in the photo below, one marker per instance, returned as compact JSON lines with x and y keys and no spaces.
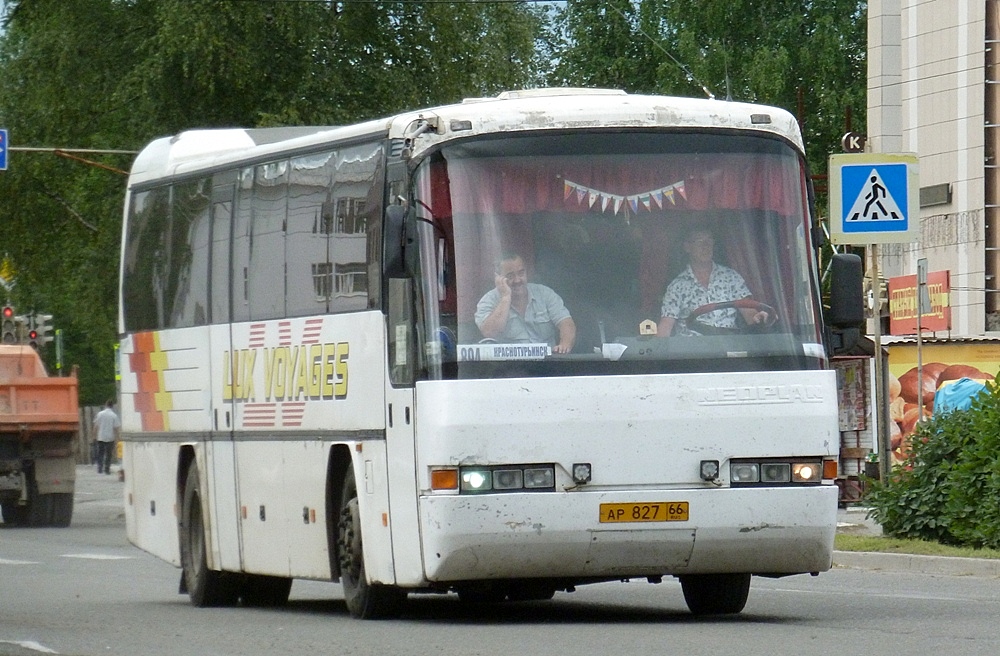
{"x":846,"y":291}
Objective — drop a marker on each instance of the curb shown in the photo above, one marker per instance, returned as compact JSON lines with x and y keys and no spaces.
{"x":944,"y":565}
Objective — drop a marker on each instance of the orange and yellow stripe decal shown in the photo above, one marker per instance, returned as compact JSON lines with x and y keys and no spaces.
{"x":152,"y":400}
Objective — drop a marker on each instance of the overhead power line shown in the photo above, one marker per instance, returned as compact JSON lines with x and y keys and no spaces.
{"x":74,"y":154}
{"x":688,"y":75}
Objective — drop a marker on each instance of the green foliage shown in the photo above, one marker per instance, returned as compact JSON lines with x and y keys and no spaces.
{"x":115,"y":74}
{"x":949,"y":489}
{"x":806,"y":56}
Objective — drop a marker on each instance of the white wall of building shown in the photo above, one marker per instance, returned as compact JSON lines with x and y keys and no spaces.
{"x":926,"y":82}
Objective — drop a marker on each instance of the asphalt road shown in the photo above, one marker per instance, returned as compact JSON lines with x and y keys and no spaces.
{"x":86,"y":591}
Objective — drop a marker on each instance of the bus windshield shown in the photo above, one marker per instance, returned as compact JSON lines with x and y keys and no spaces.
{"x":614,"y":253}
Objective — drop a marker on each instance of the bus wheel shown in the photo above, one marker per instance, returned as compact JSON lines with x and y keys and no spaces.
{"x":205,"y":587}
{"x":716,"y":594}
{"x":265,"y":591}
{"x":364,"y":600}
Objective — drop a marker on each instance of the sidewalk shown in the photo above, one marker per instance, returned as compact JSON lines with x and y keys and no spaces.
{"x":854,"y":521}
{"x":99,"y":497}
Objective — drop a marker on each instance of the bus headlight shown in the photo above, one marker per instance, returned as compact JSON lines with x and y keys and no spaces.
{"x":504,"y":478}
{"x":474,"y":480}
{"x":775,"y":471}
{"x":508,"y":479}
{"x":807,"y":472}
{"x":744,"y":472}
{"x":539,"y":478}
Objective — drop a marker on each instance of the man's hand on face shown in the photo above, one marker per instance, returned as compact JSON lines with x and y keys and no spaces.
{"x":502,"y":286}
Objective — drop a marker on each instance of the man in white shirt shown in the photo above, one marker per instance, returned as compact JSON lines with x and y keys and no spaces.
{"x":520,"y":311}
{"x":107,"y":426}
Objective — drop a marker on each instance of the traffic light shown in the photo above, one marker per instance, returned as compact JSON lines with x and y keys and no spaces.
{"x":9,"y":333}
{"x":39,"y":335}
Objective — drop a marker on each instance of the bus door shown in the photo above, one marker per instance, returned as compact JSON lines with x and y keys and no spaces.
{"x":219,"y":452}
{"x":399,"y":434}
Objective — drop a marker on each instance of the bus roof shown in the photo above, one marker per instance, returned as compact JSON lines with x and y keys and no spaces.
{"x":511,"y":111}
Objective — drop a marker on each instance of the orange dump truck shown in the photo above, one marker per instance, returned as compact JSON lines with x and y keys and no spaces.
{"x":39,"y":422}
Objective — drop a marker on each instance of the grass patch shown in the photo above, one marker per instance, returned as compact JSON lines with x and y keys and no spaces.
{"x":916,"y":547}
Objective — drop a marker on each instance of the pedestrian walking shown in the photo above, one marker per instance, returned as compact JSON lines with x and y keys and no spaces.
{"x":107,"y":425}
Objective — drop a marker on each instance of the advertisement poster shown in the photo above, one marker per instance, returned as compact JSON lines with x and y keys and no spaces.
{"x":903,"y":304}
{"x":851,"y":389}
{"x":943,"y":364}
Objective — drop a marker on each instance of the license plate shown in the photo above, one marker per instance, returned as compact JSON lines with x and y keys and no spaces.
{"x":660,"y":511}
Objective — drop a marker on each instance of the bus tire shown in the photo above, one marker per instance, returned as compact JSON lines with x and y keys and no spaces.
{"x":205,"y":587}
{"x":716,"y":594}
{"x":261,"y":591}
{"x":364,"y":600}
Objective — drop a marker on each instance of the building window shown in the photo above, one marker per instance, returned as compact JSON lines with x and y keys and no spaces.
{"x":350,"y":216}
{"x":322,"y":274}
{"x":351,"y":279}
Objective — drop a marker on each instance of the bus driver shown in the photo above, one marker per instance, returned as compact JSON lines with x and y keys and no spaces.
{"x":702,"y":282}
{"x":521,"y":311}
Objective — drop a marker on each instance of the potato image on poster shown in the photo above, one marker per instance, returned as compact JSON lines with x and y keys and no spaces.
{"x":918,"y":387}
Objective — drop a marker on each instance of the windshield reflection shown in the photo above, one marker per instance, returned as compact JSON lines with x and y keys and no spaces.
{"x":616,"y":253}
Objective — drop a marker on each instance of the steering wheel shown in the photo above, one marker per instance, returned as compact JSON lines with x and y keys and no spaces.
{"x":740,"y":304}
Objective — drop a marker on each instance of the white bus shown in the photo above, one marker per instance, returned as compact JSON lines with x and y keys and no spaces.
{"x":306,"y":392}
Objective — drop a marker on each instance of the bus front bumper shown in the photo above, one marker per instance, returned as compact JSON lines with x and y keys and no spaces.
{"x":773,"y":531}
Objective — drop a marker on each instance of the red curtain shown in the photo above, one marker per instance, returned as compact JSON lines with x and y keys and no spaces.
{"x":555,"y":184}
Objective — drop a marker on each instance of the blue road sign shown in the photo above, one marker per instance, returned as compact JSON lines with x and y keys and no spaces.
{"x":3,"y":149}
{"x":874,"y":199}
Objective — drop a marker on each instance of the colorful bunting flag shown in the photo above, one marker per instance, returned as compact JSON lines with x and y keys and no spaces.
{"x":646,"y":199}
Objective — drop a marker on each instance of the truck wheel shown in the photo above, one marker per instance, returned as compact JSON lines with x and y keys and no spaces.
{"x":364,"y":600}
{"x":205,"y":587}
{"x":62,"y":509}
{"x":14,"y":514}
{"x":715,"y":594}
{"x":39,"y":507}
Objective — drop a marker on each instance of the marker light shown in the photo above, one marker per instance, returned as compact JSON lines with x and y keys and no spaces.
{"x":830,"y":468}
{"x":709,"y":470}
{"x":444,"y":479}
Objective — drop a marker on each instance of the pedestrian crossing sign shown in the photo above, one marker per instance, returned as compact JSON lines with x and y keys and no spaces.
{"x":874,"y":198}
